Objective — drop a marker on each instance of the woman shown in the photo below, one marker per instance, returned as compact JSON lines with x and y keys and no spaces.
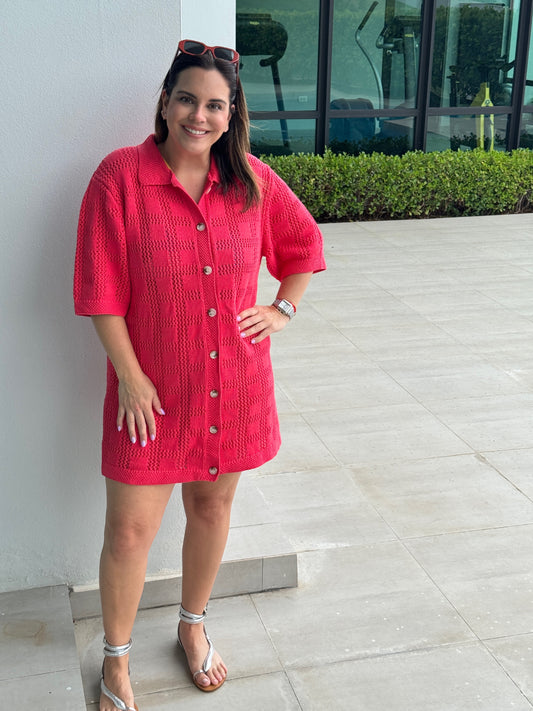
{"x":170,"y":240}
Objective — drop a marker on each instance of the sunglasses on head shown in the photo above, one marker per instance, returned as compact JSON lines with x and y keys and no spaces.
{"x":196,"y":49}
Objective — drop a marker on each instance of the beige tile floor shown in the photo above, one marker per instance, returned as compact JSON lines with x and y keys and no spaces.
{"x":405,"y":484}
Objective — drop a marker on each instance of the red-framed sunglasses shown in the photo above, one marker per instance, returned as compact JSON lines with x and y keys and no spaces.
{"x":198,"y":48}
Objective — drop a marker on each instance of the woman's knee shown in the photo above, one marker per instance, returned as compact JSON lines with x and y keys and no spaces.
{"x":209,"y":503}
{"x":208,"y":510}
{"x":126,"y":537}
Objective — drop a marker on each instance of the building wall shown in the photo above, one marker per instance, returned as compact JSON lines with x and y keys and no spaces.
{"x":80,"y":78}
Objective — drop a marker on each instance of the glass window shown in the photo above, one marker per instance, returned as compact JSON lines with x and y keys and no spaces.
{"x":392,"y":136}
{"x":526,"y":131}
{"x":474,"y":51}
{"x":294,"y":136}
{"x":464,"y":133}
{"x":375,"y":54}
{"x":278,"y":44}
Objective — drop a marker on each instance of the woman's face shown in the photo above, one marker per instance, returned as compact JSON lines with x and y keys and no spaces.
{"x":197,"y":112}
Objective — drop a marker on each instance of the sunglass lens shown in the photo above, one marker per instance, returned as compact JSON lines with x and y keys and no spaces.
{"x":194,"y":47}
{"x":223,"y":53}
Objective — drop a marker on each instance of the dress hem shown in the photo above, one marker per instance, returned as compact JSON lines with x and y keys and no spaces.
{"x":136,"y":477}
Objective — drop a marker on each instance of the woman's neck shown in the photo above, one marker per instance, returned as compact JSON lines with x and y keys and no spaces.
{"x":184,"y":165}
{"x":191,"y":171}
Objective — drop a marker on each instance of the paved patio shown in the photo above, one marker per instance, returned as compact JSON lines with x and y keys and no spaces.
{"x":405,"y":485}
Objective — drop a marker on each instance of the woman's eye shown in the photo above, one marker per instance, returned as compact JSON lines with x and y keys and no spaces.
{"x":216,"y":107}
{"x":185,"y":99}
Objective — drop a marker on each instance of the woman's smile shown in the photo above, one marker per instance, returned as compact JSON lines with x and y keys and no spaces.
{"x":195,"y":131}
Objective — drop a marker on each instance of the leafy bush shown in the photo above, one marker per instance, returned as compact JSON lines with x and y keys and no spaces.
{"x":340,"y":187}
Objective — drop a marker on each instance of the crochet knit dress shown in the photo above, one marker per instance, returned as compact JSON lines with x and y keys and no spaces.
{"x":179,"y":273}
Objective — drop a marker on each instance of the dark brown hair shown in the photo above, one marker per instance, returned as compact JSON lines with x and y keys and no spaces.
{"x":231,"y":148}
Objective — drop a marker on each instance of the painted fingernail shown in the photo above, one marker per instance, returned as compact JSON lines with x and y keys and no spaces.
{"x":133,"y":440}
{"x":238,"y":319}
{"x":119,"y":428}
{"x":152,"y":437}
{"x":161,"y":411}
{"x":243,"y":334}
{"x":253,"y":340}
{"x":143,"y":443}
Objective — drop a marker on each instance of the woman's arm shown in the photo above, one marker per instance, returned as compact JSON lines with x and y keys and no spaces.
{"x":260,"y":321}
{"x":137,"y":396}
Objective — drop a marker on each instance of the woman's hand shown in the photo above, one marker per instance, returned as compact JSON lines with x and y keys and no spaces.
{"x":259,"y":322}
{"x":137,"y":400}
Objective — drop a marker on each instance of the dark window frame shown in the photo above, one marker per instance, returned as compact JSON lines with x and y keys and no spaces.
{"x":323,"y":114}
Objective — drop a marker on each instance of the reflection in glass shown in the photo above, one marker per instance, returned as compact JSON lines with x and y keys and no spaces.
{"x":266,"y":138}
{"x":464,"y":133}
{"x":278,"y":44}
{"x":526,"y":131}
{"x":392,"y":136}
{"x":375,"y":54}
{"x":474,"y":50}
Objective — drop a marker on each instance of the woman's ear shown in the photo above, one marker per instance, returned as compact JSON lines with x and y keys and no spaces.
{"x":232,"y":111}
{"x":164,"y":102}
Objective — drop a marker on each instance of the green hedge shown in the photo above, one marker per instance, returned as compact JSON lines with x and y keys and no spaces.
{"x":340,"y":187}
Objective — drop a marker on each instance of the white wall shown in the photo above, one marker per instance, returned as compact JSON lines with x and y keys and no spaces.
{"x":211,"y":22}
{"x":80,"y":78}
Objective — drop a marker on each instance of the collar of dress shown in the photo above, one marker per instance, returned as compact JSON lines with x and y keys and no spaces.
{"x":154,"y":171}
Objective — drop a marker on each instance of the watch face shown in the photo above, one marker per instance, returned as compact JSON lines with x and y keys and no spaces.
{"x":285,"y":307}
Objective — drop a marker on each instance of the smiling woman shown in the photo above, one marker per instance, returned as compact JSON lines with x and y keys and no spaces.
{"x":197,"y":112}
{"x":170,"y":242}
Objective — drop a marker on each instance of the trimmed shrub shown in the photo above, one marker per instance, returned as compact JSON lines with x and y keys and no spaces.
{"x":343,"y":188}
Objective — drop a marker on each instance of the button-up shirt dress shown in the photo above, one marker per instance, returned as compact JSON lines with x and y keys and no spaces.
{"x":179,"y":273}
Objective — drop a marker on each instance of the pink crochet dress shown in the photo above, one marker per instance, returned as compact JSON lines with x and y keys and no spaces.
{"x":180,"y":272}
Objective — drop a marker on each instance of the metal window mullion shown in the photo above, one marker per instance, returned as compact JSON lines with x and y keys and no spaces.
{"x":520,"y":74}
{"x":425,"y":63}
{"x":325,"y":40}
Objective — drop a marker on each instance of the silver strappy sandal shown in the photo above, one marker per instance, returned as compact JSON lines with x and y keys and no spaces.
{"x":111,"y":650}
{"x":191,"y":619}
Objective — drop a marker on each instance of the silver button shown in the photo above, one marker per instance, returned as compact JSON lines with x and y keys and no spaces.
{"x":207,"y":270}
{"x":213,"y":429}
{"x":200,"y":227}
{"x":213,"y":471}
{"x":212,"y":312}
{"x":213,"y":354}
{"x":214,"y":393}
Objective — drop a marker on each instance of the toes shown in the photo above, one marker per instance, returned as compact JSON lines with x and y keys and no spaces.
{"x":204,"y":680}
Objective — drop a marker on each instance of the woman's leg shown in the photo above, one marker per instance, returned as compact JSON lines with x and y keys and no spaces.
{"x":208,"y":510}
{"x":133,"y":518}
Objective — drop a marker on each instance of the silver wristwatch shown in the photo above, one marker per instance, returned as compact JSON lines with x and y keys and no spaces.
{"x":285,"y":307}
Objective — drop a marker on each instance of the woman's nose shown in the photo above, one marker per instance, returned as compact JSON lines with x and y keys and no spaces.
{"x":197,"y":112}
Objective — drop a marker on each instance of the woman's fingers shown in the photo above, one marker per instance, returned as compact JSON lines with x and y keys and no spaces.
{"x":137,"y":401}
{"x":259,"y":322}
{"x":130,"y":421}
{"x":120,"y":417}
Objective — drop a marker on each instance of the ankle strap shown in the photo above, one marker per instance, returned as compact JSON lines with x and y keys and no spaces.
{"x":111,"y":650}
{"x":190,"y":618}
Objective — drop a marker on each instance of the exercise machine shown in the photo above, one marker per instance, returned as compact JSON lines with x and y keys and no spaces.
{"x":259,"y":34}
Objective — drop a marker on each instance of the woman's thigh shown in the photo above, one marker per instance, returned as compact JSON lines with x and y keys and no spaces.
{"x":141,"y":507}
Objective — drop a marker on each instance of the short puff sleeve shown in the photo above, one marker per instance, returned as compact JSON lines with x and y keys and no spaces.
{"x":292,"y":241}
{"x":101,"y":279}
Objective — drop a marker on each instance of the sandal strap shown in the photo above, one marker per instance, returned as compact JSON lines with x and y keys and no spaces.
{"x":118,"y":702}
{"x":206,"y":666}
{"x":190,"y":618}
{"x":119,"y":650}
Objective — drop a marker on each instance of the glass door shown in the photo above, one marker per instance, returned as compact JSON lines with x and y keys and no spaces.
{"x":278,"y":44}
{"x":374,"y":67}
{"x":473,"y":66}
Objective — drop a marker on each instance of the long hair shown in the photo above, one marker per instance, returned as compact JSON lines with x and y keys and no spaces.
{"x":231,"y":148}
